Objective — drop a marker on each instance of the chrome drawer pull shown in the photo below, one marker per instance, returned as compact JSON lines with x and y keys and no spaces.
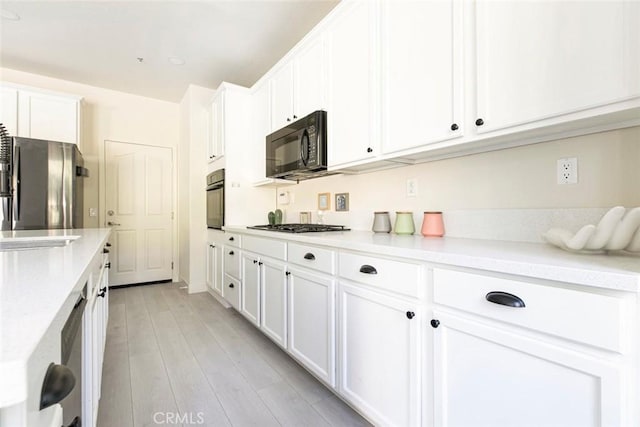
{"x":503,"y":298}
{"x":368,"y":269}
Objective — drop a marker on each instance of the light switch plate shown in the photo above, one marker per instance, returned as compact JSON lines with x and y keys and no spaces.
{"x":283,"y":197}
{"x":412,"y":187}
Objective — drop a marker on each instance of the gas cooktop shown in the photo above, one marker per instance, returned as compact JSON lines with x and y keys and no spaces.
{"x":300,"y":228}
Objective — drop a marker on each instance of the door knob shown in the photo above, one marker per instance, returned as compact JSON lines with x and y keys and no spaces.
{"x":112,"y":223}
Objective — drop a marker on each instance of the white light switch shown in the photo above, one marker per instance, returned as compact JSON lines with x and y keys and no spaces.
{"x":93,"y":212}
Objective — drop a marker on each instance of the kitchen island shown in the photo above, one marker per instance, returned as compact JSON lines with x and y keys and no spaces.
{"x":38,"y":290}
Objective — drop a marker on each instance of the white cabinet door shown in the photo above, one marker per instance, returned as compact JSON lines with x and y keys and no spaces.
{"x":96,"y":362}
{"x":282,"y":97}
{"x":44,"y":116}
{"x":215,"y":148}
{"x":274,"y":301}
{"x":379,"y":353}
{"x":260,"y":128}
{"x":310,"y":79}
{"x":353,"y":101}
{"x":214,"y":263}
{"x":485,"y":376}
{"x":250,"y":296}
{"x":421,"y":73}
{"x":218,"y":277}
{"x":539,"y":60}
{"x":312,"y":322}
{"x":9,"y":109}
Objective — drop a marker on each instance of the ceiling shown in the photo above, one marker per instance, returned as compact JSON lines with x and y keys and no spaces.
{"x":99,"y":42}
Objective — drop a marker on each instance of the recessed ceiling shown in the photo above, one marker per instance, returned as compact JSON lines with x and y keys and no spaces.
{"x":99,"y":43}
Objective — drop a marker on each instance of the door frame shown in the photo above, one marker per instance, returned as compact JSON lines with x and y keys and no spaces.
{"x":102,"y":188}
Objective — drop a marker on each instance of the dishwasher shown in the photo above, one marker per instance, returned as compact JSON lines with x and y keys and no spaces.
{"x":63,"y":383}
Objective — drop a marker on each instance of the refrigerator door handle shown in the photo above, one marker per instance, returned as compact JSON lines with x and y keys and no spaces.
{"x":6,"y":208}
{"x":16,"y":184}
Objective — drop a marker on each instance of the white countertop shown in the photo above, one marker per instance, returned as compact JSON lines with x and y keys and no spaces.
{"x":619,"y":272}
{"x":34,"y":286}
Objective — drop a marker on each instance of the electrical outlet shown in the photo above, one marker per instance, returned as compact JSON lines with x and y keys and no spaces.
{"x":412,"y":187}
{"x":567,"y":170}
{"x":93,"y":212}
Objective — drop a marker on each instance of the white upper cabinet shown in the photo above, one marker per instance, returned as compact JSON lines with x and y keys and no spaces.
{"x":543,"y":60}
{"x":310,"y":75}
{"x":282,"y":111}
{"x":9,"y":109}
{"x":352,"y":113}
{"x":260,"y":128}
{"x":298,"y":88}
{"x":52,"y":117}
{"x":42,"y":115}
{"x":215,"y":148}
{"x":421,"y":73}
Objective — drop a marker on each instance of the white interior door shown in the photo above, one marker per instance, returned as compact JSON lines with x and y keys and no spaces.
{"x":138,"y":208}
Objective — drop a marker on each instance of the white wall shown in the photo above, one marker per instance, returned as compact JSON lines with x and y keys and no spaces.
{"x":191,"y":186}
{"x":115,"y":116}
{"x":516,"y":178}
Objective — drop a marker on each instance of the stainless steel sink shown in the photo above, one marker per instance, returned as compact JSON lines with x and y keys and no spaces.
{"x":23,"y":243}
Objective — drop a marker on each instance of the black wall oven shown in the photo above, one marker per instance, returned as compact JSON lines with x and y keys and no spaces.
{"x":215,"y":199}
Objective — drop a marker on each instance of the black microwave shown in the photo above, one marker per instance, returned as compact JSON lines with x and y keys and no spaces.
{"x":299,"y":150}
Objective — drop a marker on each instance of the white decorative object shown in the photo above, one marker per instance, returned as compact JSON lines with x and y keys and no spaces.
{"x":615,"y":232}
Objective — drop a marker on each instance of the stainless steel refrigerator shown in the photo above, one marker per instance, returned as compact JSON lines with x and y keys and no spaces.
{"x":42,"y":184}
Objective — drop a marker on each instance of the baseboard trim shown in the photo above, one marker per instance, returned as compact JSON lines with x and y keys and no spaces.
{"x":131,"y":285}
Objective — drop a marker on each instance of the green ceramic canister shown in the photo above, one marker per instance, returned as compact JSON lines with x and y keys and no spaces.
{"x":404,"y":223}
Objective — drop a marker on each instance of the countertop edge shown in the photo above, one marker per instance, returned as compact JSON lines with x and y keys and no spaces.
{"x":546,"y":262}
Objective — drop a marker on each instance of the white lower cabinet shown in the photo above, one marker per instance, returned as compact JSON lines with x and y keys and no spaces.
{"x":96,"y":316}
{"x":231,"y":291}
{"x":274,"y":301}
{"x":312,"y":322}
{"x":250,"y":297}
{"x":214,"y":267}
{"x":379,"y":355}
{"x":489,"y":376}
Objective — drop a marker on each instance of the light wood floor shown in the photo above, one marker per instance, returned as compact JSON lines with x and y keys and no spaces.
{"x":168,"y":353}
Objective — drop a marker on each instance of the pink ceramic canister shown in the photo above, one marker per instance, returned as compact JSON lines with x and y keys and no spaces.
{"x":432,"y":224}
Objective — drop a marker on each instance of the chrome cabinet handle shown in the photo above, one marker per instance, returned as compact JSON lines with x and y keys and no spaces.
{"x":112,"y":223}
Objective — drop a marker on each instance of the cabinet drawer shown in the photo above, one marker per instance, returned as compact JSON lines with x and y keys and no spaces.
{"x":232,"y":261}
{"x":232,"y":239}
{"x":395,"y":276}
{"x":272,"y":248}
{"x":231,"y":291}
{"x":312,"y":257}
{"x":580,"y":316}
